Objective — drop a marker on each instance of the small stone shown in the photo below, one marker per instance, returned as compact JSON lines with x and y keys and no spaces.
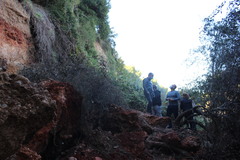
{"x":98,"y":158}
{"x":4,"y":106}
{"x":72,"y":158}
{"x":115,"y":147}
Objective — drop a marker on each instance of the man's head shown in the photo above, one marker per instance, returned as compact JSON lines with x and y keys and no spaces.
{"x":173,"y":87}
{"x":150,"y":75}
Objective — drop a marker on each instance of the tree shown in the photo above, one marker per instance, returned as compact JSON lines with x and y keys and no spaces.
{"x":98,"y":9}
{"x":222,"y":46}
{"x":221,"y":87}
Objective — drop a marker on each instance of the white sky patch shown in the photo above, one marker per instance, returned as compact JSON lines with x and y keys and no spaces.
{"x":157,"y":36}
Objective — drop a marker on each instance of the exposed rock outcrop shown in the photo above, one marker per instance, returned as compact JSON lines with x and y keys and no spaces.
{"x":15,"y":35}
{"x":60,"y":133}
{"x":24,"y":108}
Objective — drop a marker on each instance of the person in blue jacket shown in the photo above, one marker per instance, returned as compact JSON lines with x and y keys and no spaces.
{"x":173,"y":98}
{"x":148,"y":91}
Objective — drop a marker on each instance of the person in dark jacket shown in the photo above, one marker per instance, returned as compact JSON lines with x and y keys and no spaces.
{"x":148,"y":91}
{"x":187,"y":104}
{"x":157,"y":102}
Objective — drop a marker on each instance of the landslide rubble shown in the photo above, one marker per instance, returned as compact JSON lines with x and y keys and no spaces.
{"x":24,"y":108}
{"x":120,"y":133}
{"x":45,"y":122}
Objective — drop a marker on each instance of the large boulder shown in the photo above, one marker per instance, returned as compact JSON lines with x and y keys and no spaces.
{"x":24,"y":108}
{"x":64,"y":130}
{"x":37,"y":125}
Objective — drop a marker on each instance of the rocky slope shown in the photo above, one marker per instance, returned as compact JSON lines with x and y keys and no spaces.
{"x":43,"y":121}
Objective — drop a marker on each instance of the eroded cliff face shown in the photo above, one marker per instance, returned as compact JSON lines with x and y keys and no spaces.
{"x":15,"y":35}
{"x":17,"y":45}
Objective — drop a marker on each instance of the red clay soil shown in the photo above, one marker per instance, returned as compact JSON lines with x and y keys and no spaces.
{"x":11,"y":35}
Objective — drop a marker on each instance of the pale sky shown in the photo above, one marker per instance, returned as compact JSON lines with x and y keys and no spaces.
{"x":157,"y":36}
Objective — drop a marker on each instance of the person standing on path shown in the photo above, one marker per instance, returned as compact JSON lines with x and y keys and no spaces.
{"x":173,"y":98}
{"x":148,"y":91}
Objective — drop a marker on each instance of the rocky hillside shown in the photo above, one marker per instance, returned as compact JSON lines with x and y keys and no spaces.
{"x":55,"y":104}
{"x":43,"y":121}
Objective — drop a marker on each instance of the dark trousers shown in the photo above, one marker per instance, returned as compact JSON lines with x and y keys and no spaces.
{"x":189,"y":119}
{"x":172,"y":109}
{"x":149,"y":100}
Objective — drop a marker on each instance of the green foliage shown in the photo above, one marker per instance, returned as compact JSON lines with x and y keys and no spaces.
{"x":222,"y":45}
{"x":131,"y":83}
{"x":128,"y":79}
{"x":220,"y":89}
{"x":83,"y":21}
{"x":98,"y":10}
